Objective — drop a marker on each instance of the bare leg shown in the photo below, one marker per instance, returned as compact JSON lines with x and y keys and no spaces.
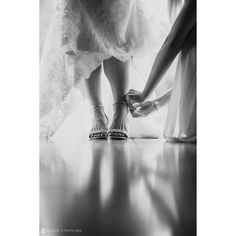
{"x":93,"y":93}
{"x":93,"y":88}
{"x":117,"y":73}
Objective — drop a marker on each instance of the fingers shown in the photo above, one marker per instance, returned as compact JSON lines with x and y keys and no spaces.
{"x":133,"y":92}
{"x":129,"y":102}
{"x":142,"y":111}
{"x":136,"y":114}
{"x":132,"y":106}
{"x":133,"y":99}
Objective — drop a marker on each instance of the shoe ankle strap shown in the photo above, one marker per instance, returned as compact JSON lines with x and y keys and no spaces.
{"x":121,"y":102}
{"x":96,"y":107}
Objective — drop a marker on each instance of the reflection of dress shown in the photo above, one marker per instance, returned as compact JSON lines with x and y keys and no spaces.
{"x":181,"y":118}
{"x":82,"y":34}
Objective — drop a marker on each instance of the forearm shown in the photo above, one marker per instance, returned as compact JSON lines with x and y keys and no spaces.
{"x":164,"y":98}
{"x":162,"y":63}
{"x":171,"y":47}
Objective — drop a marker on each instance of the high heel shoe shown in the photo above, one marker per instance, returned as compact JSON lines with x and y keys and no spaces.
{"x":118,"y":133}
{"x":98,"y":133}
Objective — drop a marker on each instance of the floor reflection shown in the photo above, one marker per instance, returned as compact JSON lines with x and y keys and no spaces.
{"x":141,"y":187}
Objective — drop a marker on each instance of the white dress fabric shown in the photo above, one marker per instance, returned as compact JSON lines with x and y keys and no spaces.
{"x":81,"y":35}
{"x":181,"y":117}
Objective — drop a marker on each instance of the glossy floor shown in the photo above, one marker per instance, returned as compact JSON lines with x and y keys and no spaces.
{"x":117,"y":188}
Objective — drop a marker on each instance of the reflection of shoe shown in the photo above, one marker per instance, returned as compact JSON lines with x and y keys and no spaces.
{"x":119,"y":131}
{"x":99,"y":133}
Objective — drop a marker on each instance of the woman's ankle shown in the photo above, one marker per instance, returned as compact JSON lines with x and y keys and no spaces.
{"x":98,"y":113}
{"x":120,"y":107}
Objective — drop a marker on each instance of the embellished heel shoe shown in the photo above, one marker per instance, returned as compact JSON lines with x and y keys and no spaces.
{"x":121,"y":132}
{"x":100,"y":133}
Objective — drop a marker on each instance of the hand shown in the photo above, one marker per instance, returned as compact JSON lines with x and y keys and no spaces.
{"x":143,"y":109}
{"x":134,"y":98}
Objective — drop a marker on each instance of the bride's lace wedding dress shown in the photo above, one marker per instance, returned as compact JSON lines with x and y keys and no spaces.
{"x":81,"y":35}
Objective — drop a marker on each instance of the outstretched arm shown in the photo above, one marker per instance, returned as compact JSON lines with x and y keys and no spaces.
{"x":170,"y":49}
{"x":163,"y":99}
